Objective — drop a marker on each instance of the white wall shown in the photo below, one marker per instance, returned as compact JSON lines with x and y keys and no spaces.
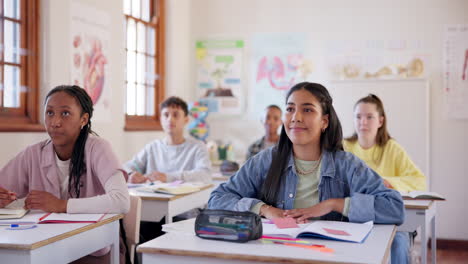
{"x":325,"y":21}
{"x":55,"y":69}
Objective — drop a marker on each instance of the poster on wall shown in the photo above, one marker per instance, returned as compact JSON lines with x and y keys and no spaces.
{"x":456,"y":71}
{"x":276,"y":63}
{"x":219,"y":75}
{"x":376,"y":59}
{"x":89,"y":45}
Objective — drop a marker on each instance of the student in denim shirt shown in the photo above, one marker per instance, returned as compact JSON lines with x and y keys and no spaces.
{"x":342,"y":187}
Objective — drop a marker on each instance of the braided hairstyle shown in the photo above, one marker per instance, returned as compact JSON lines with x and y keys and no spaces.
{"x":77,"y":163}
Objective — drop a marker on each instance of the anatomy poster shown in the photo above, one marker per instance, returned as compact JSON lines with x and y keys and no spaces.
{"x":456,"y":71}
{"x":89,"y":42}
{"x":276,"y":60}
{"x":219,"y":71}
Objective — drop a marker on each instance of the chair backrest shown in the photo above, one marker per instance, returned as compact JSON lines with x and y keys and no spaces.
{"x":132,"y":221}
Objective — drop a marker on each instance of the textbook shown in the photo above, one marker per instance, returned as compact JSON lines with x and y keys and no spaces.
{"x":422,"y":195}
{"x":334,"y":230}
{"x":13,"y":210}
{"x":178,"y":189}
{"x":61,"y":218}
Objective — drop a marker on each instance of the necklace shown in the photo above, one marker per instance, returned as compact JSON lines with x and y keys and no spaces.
{"x":305,"y":172}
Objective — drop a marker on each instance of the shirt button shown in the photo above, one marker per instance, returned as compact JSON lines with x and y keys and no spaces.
{"x":290,"y":195}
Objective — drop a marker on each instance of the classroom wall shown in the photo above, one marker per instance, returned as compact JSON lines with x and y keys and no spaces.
{"x":322,"y":21}
{"x":325,"y":21}
{"x":55,"y":70}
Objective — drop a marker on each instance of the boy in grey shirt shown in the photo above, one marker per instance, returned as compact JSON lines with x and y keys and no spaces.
{"x":173,"y":157}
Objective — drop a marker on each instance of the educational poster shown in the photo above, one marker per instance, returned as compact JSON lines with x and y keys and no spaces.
{"x":376,"y":59}
{"x":219,"y":70}
{"x":456,"y":71}
{"x":89,"y":42}
{"x":277,"y":63}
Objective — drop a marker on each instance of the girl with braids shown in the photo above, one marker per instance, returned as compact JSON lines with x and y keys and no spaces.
{"x":308,"y":175}
{"x":73,"y":171}
{"x":372,"y":143}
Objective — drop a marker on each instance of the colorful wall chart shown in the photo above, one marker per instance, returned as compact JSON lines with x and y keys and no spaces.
{"x":219,"y":71}
{"x":276,"y":63}
{"x":89,"y":41}
{"x":456,"y":71}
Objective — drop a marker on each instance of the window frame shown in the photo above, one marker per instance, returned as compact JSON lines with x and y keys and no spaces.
{"x":26,"y":117}
{"x":147,"y":122}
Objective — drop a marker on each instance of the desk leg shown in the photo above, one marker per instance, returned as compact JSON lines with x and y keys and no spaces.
{"x":424,"y":241}
{"x":168,"y":217}
{"x":433,"y":240}
{"x":115,"y":245}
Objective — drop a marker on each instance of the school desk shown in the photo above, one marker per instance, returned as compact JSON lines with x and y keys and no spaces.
{"x":421,"y":213}
{"x":154,"y":206}
{"x":59,"y":243}
{"x":185,"y":247}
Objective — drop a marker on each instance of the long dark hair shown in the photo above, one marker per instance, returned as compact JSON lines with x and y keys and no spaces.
{"x":330,"y":140}
{"x":382,"y":136}
{"x":77,"y":163}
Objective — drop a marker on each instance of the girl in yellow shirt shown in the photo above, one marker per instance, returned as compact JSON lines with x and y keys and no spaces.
{"x":372,"y":143}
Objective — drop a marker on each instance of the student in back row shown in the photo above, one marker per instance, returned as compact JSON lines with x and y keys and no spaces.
{"x":72,"y":172}
{"x":174,"y":157}
{"x":271,"y":122}
{"x":372,"y":143}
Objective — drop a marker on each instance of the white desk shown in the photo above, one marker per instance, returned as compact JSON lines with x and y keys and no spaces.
{"x":184,"y":247}
{"x":421,"y":213}
{"x":59,"y":243}
{"x":154,"y":206}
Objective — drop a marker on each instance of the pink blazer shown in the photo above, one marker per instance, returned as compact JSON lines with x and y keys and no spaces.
{"x":35,"y":169}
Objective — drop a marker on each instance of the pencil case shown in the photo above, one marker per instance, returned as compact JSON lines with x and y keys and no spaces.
{"x":228,"y":225}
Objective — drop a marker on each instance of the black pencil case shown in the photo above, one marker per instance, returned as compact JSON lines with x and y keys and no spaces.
{"x":228,"y":225}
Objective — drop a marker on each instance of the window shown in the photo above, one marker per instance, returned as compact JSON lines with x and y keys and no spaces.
{"x":19,"y":60}
{"x":144,"y":83}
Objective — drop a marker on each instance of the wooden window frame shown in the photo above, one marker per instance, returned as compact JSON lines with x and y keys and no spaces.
{"x":26,"y":117}
{"x":149,"y":123}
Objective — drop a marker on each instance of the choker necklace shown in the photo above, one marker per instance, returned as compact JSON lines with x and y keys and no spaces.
{"x":305,"y":172}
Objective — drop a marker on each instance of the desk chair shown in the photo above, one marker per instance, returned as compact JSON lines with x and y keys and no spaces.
{"x":132,"y":225}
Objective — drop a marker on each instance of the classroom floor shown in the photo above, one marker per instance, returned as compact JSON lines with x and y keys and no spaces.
{"x":444,"y":256}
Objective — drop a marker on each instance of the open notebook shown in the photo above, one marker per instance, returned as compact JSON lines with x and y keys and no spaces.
{"x":13,"y":210}
{"x":422,"y":195}
{"x":334,"y":230}
{"x":169,"y":188}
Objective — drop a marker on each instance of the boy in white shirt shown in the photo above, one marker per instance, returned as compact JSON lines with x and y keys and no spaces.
{"x":174,"y":157}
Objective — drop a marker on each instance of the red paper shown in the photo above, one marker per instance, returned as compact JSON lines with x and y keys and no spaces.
{"x":336,"y":232}
{"x":287,"y":222}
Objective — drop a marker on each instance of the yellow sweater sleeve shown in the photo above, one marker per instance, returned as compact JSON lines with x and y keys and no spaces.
{"x":407,"y":176}
{"x":395,"y":165}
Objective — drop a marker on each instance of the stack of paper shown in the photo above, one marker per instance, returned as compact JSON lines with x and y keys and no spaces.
{"x":13,"y":210}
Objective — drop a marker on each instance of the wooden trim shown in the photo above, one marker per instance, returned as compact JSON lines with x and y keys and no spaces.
{"x":217,"y":255}
{"x":450,"y":244}
{"x":152,"y":123}
{"x":62,"y":236}
{"x":173,"y":197}
{"x":423,"y":207}
{"x":29,"y":120}
{"x":389,"y":245}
